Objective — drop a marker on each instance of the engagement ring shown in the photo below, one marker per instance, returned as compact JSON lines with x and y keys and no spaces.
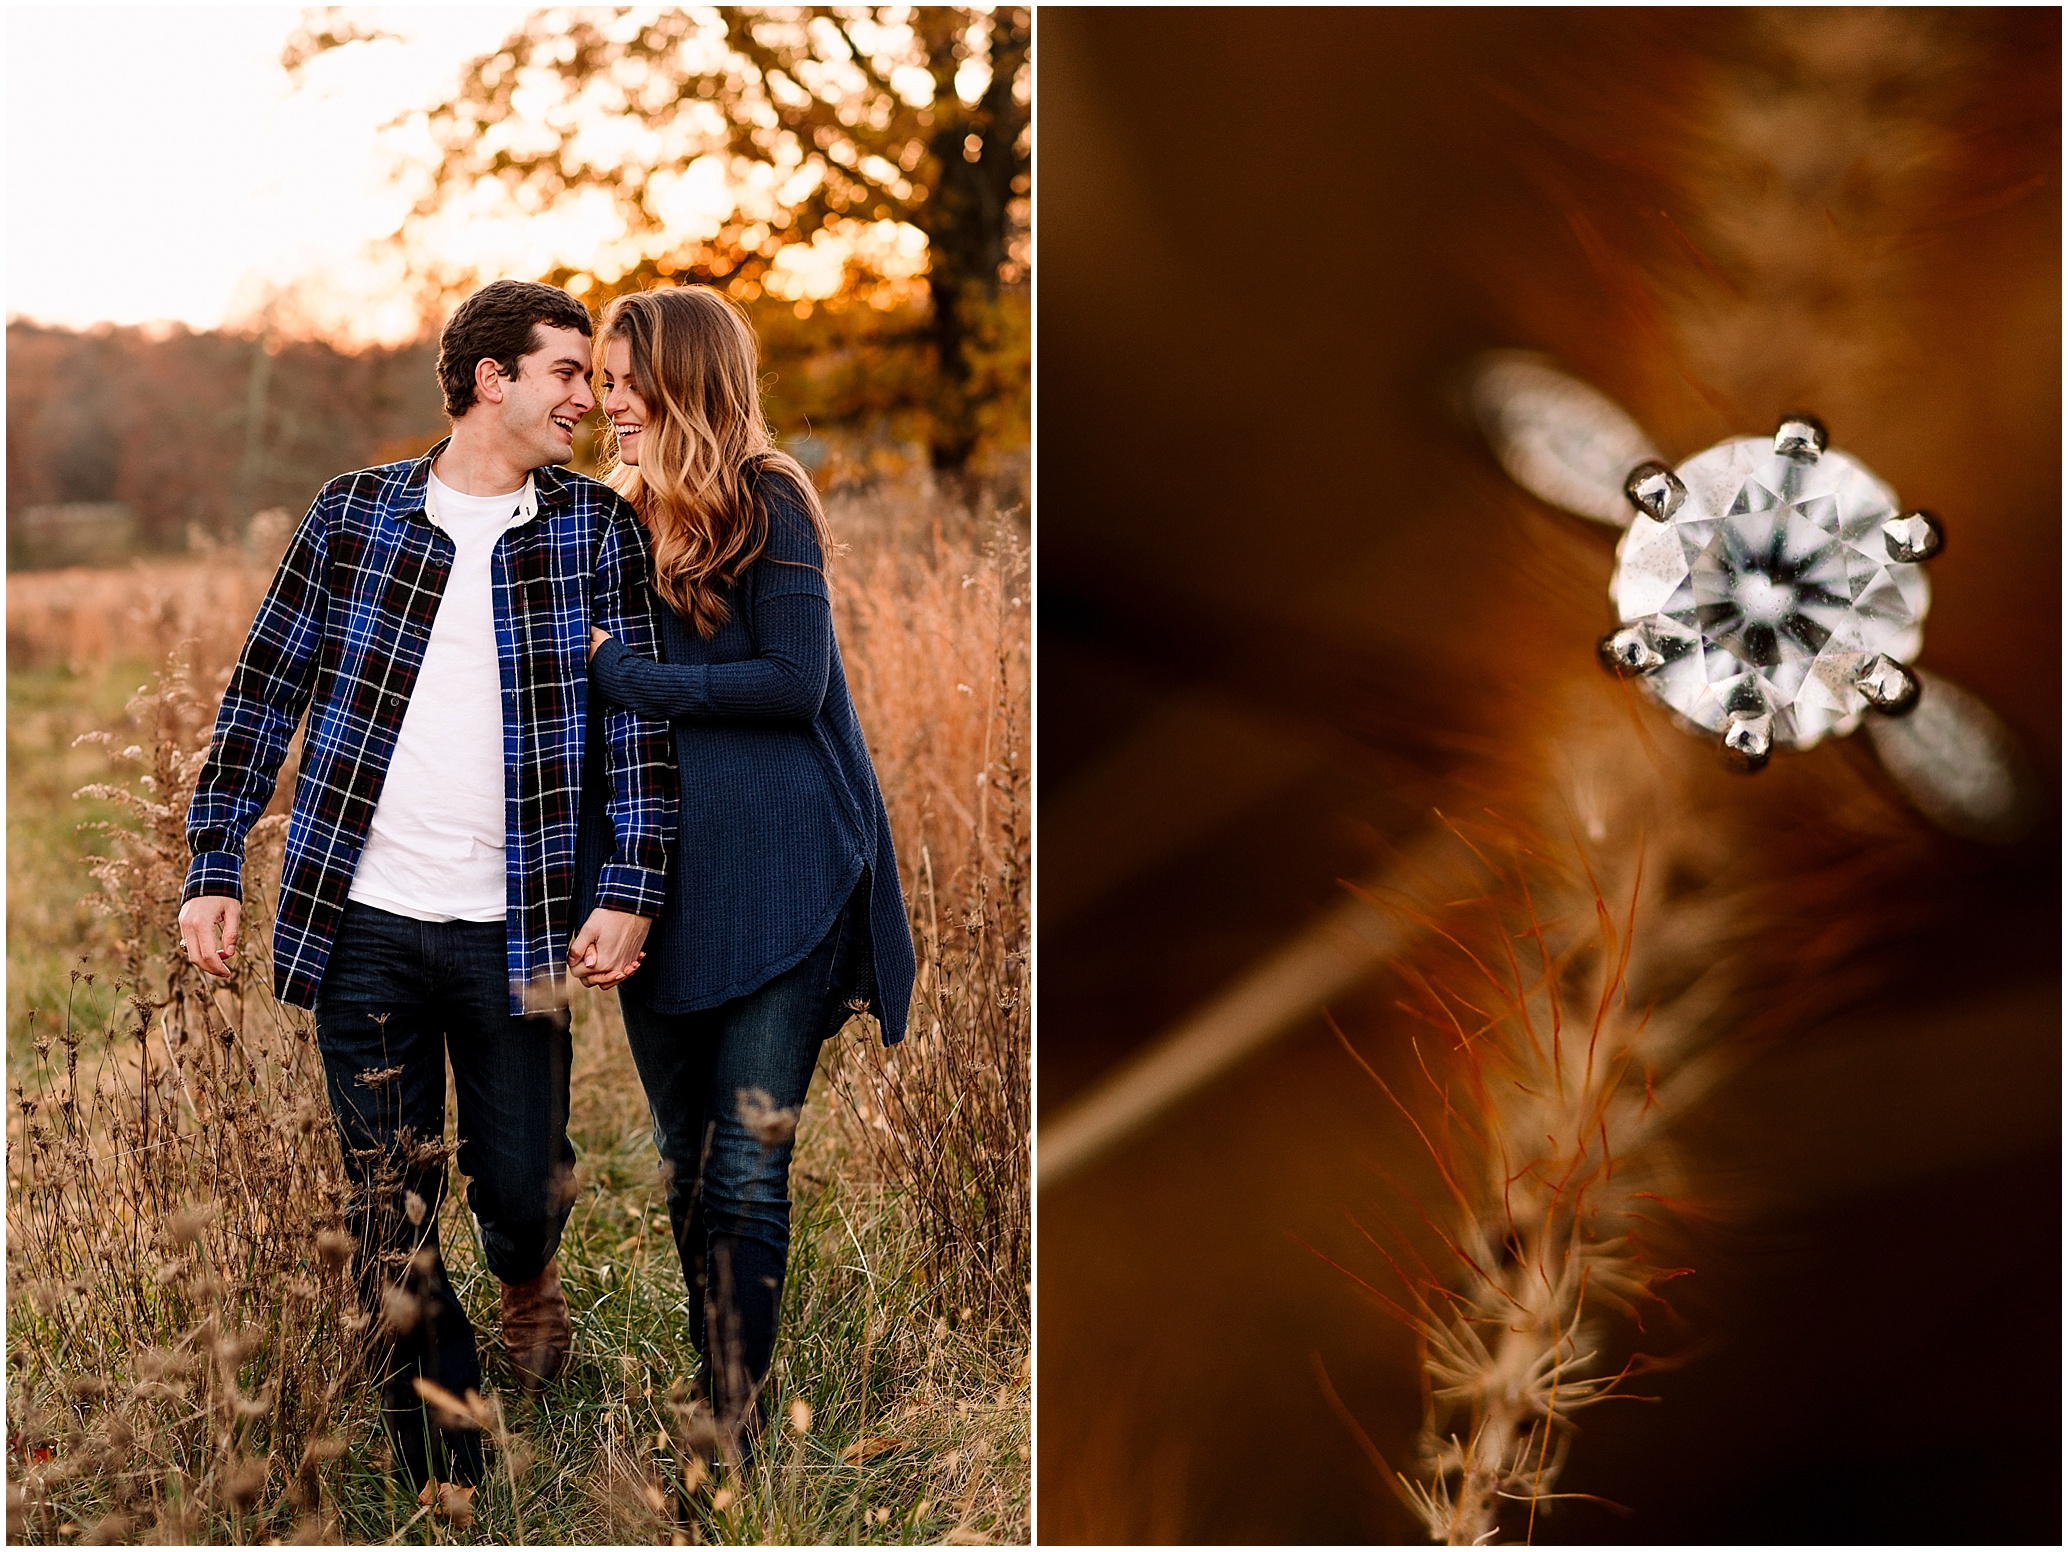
{"x":1770,"y":591}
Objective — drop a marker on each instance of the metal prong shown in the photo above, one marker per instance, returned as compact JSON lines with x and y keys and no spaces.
{"x":1800,"y":437}
{"x":1889,"y":687}
{"x":1748,"y":742}
{"x":1654,"y":490}
{"x":1628,"y":651}
{"x":1914,"y":536}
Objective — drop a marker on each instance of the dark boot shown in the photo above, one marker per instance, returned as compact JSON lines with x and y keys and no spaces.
{"x":536,"y":1330}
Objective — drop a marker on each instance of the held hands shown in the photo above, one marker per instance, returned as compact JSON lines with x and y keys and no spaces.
{"x":597,"y":637}
{"x":607,"y":949}
{"x":206,"y":920}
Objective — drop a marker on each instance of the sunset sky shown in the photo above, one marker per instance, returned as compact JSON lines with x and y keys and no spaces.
{"x":162,"y":165}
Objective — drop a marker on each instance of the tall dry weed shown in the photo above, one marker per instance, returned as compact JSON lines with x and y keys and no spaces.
{"x":943,"y":642}
{"x":1613,"y":949}
{"x":178,"y":1298}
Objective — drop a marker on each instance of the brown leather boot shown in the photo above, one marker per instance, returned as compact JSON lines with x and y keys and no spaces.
{"x":536,"y":1330}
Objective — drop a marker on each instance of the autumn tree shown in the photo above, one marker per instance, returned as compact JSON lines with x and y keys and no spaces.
{"x":825,"y":125}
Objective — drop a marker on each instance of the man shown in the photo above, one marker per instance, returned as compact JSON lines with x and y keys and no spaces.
{"x":433,"y":619}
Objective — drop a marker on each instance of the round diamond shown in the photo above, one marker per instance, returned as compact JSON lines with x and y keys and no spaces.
{"x":1769,"y":590}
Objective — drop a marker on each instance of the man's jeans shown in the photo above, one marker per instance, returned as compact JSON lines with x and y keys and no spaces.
{"x":719,"y":1082}
{"x":398,"y":996}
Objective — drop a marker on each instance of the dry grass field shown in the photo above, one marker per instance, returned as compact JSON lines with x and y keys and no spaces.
{"x":183,"y":1354}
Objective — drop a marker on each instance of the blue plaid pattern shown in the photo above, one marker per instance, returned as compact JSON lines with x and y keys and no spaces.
{"x":341,"y":635}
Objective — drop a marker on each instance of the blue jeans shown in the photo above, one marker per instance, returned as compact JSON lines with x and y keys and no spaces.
{"x":718,"y":1082}
{"x":398,"y":997}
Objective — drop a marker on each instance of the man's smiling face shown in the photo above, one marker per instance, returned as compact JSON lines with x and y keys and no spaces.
{"x":549,"y":394}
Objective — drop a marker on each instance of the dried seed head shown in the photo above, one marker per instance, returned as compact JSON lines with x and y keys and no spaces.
{"x":467,"y":1412}
{"x":158,"y":1363}
{"x":697,"y":1428}
{"x":252,"y":1406}
{"x":800,"y":1416}
{"x":334,"y":1248}
{"x":241,"y":1483}
{"x":400,"y":1311}
{"x":183,"y":1228}
{"x":765,"y":1122}
{"x":116,"y":1434}
{"x":414,"y":1208}
{"x":329,"y":1447}
{"x":180,"y":1519}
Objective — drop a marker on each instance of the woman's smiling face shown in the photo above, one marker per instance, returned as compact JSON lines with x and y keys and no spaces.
{"x":621,"y":401}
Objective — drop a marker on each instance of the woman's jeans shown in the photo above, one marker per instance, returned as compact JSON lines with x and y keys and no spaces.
{"x":726,"y":1085}
{"x":398,"y":997}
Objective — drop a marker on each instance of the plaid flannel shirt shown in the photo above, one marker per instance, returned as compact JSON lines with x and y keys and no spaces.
{"x":342,"y":634}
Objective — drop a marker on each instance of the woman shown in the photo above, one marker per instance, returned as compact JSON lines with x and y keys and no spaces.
{"x":784,"y":911}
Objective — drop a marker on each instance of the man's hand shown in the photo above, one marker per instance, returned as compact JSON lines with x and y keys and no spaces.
{"x":597,"y":637}
{"x":607,"y":949}
{"x":205,"y":922}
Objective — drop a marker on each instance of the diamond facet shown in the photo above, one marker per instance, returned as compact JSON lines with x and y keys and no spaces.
{"x":1768,"y":590}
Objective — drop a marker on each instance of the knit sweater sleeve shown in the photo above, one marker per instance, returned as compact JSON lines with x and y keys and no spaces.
{"x":786,"y":678}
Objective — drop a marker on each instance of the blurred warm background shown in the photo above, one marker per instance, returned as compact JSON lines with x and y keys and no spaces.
{"x":228,"y":262}
{"x":1291,"y":611}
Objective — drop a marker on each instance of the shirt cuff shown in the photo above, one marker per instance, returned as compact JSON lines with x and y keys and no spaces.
{"x":624,"y":887}
{"x":214,"y":873}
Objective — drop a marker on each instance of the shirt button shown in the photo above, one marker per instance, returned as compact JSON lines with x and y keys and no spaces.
{"x":394,"y":699}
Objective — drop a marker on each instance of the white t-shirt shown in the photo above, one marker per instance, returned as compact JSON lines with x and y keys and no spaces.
{"x":435,"y":852}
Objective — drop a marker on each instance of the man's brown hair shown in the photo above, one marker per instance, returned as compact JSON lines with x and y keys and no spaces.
{"x":499,"y":323}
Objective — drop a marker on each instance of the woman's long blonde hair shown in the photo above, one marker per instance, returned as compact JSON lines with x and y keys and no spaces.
{"x":697,"y":365}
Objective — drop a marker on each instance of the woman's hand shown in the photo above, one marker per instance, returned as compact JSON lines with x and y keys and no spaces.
{"x":597,"y":637}
{"x":608,"y":948}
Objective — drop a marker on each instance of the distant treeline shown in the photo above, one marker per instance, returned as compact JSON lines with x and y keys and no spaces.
{"x":192,"y":429}
{"x":203,"y":429}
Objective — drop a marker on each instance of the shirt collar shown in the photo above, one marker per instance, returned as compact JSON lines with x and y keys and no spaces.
{"x":524,"y":503}
{"x":416,"y":488}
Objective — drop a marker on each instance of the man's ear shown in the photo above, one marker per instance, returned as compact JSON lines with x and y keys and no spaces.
{"x":488,"y":380}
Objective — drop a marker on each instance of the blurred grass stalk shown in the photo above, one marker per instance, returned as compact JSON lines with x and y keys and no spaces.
{"x":1575,"y":1001}
{"x":185,"y":1353}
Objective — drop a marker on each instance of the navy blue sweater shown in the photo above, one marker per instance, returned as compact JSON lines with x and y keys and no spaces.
{"x":781,"y":814}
